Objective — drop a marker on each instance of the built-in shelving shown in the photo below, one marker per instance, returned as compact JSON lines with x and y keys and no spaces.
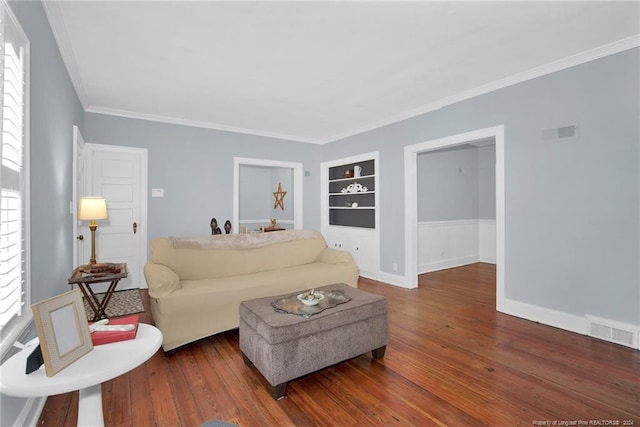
{"x":352,"y":200}
{"x":350,"y":209}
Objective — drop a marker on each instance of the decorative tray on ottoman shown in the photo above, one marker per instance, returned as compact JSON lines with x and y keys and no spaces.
{"x":292,"y":305}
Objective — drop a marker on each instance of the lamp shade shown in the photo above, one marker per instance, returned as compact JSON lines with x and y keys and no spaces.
{"x":92,"y":208}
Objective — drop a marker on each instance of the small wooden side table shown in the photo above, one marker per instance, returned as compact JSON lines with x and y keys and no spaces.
{"x":85,"y":280}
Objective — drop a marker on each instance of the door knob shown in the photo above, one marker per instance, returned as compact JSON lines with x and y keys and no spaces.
{"x":80,"y":237}
{"x":135,"y":227}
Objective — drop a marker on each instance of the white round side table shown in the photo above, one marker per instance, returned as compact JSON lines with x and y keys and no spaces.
{"x":86,"y":374}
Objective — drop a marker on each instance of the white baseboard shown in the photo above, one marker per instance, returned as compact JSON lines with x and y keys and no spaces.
{"x":369,"y":274}
{"x":545,"y":316}
{"x":447,"y":263}
{"x":395,"y":280}
{"x":561,"y":320}
{"x":488,"y":260}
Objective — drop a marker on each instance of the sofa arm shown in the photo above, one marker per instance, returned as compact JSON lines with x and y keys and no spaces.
{"x":336,"y":256}
{"x":161,"y":280}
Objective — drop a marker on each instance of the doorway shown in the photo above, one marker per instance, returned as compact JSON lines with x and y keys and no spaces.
{"x":119,"y":174}
{"x":297,"y":177}
{"x":411,"y":201}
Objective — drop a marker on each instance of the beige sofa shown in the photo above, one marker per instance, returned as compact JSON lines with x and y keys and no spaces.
{"x":196,"y":284}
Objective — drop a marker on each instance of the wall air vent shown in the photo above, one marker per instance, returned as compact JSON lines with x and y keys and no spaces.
{"x":612,"y":331}
{"x":561,"y":133}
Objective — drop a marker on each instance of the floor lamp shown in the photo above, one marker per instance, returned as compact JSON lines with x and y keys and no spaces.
{"x":92,"y":209}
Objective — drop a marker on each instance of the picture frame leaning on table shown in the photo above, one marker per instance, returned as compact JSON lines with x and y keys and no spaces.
{"x":63,"y":330}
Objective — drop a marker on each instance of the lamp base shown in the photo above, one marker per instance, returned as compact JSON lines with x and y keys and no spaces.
{"x":93,"y":226}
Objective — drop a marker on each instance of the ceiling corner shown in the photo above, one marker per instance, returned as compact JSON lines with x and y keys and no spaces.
{"x":58,"y":28}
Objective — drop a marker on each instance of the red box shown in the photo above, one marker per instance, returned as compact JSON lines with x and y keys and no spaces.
{"x":105,"y":337}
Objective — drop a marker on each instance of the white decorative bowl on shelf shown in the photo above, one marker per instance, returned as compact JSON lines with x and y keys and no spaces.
{"x":308,"y":298}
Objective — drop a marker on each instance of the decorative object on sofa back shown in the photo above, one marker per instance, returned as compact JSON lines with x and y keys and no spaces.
{"x":214,"y":227}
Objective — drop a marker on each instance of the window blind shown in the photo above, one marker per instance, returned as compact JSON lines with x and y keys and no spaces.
{"x":13,"y":170}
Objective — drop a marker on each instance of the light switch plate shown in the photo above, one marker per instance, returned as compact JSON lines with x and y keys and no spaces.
{"x":157,"y":192}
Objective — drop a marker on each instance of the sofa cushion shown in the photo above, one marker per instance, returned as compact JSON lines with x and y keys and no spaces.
{"x":161,"y":280}
{"x":198,"y":263}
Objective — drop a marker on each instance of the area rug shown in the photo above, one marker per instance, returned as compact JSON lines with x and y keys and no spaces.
{"x":121,"y":303}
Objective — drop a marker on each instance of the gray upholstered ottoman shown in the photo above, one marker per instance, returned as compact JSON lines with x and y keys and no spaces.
{"x":286,"y":346}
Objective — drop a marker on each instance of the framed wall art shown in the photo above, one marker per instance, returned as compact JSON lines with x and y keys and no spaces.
{"x":63,"y":330}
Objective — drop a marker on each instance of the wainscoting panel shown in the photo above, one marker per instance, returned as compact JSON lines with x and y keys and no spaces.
{"x":487,"y":240}
{"x":447,"y":244}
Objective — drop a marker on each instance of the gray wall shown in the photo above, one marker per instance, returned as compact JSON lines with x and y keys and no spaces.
{"x":255,"y":183}
{"x":448,"y":184}
{"x":487,"y":182}
{"x":572,"y":208}
{"x":457,"y":183}
{"x":54,"y":110}
{"x":195,"y":168}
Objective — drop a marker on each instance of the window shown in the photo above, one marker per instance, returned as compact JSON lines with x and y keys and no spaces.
{"x":14,"y":178}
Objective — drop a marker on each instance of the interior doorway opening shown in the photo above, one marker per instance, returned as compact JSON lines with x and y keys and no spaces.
{"x":411,"y":200}
{"x":296,"y":170}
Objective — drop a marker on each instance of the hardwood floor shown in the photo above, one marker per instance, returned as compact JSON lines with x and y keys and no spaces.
{"x":452,"y":360}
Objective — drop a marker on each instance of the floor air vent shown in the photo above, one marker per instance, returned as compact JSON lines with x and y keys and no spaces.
{"x":612,"y":331}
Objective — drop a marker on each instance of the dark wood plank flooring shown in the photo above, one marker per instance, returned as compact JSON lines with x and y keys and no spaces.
{"x":452,"y":360}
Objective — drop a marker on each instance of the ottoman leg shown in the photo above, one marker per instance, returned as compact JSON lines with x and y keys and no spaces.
{"x":378,"y":353}
{"x":246,"y":360}
{"x":278,"y":391}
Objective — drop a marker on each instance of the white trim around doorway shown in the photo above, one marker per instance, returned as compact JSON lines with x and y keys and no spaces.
{"x":411,"y":202}
{"x":297,"y":186}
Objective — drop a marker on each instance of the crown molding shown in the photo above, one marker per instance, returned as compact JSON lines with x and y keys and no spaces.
{"x":562,"y":64}
{"x":198,"y":124}
{"x":59,"y":30}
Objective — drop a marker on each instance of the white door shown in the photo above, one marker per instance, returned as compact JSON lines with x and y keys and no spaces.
{"x":119,"y":174}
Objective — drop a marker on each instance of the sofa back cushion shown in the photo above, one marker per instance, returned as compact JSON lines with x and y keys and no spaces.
{"x":236,"y":254}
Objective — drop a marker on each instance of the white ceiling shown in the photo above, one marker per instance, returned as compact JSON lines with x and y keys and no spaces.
{"x":318,"y":71}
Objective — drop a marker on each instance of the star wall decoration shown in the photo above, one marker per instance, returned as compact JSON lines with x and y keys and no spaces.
{"x":279,"y":195}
